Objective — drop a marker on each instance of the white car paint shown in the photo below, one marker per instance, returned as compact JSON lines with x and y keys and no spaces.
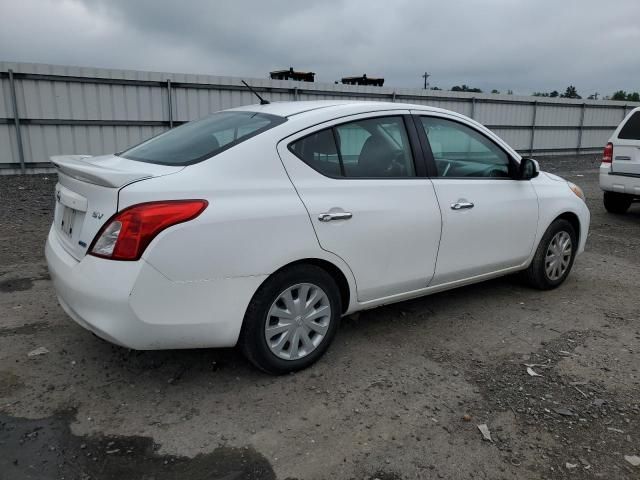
{"x":622,"y":175}
{"x":192,"y":285}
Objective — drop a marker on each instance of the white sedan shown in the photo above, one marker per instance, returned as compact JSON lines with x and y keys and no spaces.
{"x":263,"y":225}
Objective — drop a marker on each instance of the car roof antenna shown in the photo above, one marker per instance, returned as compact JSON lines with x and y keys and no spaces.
{"x":262,"y":100}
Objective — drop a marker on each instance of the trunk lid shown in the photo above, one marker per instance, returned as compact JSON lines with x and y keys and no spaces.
{"x":626,"y":157}
{"x":87,"y":194}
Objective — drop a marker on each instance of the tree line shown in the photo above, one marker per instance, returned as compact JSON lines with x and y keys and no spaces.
{"x":570,"y":92}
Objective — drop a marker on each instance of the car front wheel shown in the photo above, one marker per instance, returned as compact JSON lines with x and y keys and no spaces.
{"x":291,"y":319}
{"x":554,"y":257}
{"x":616,"y":202}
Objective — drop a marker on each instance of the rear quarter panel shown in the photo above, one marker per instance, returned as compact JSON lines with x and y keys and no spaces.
{"x":255,"y":222}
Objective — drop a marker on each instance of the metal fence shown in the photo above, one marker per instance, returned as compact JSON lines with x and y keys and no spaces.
{"x":49,"y":109}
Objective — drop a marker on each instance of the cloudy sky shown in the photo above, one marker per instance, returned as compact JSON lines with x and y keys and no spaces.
{"x":523,"y":45}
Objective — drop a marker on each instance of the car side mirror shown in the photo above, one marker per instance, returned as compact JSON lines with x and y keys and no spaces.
{"x":529,"y":168}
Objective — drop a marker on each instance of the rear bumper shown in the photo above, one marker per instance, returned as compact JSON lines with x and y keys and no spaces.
{"x":620,"y":183}
{"x":133,"y":305}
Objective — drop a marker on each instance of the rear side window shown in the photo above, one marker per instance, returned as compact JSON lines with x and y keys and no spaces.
{"x":368,"y":148}
{"x":631,"y":129}
{"x":201,"y":139}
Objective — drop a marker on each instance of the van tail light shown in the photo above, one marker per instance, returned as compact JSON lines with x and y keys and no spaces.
{"x":607,"y":155}
{"x":126,"y":235}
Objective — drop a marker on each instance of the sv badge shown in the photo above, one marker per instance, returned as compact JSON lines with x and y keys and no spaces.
{"x":97,"y":215}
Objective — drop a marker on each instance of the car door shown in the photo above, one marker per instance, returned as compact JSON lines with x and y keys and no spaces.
{"x":626,"y":148}
{"x":368,"y":199}
{"x":489,"y":218}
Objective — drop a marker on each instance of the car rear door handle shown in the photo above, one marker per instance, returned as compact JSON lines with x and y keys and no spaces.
{"x":461,"y":205}
{"x":329,"y":216}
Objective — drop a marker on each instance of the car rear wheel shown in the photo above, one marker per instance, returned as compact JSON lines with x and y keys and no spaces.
{"x":291,"y":319}
{"x":554,"y":257}
{"x":616,"y":202}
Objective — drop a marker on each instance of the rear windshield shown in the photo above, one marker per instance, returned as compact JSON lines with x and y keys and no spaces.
{"x":201,"y":139}
{"x":631,"y":129}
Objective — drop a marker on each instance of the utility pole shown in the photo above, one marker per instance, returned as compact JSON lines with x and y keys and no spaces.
{"x":425,"y":76}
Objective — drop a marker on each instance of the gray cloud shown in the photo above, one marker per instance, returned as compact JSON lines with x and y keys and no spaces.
{"x":504,"y":44}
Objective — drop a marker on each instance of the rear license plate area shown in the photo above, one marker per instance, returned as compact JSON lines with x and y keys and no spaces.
{"x":67,"y":221}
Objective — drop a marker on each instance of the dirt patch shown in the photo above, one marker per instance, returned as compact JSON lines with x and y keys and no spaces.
{"x":592,"y":427}
{"x":47,"y":449}
{"x":9,"y":383}
{"x":387,"y":401}
{"x":16,"y":285}
{"x":29,"y":329}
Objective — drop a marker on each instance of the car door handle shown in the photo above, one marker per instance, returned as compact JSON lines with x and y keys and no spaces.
{"x":461,"y":205}
{"x":329,"y":216}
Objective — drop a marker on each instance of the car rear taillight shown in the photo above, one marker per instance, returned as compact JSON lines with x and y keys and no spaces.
{"x":128,"y":233}
{"x":607,"y":155}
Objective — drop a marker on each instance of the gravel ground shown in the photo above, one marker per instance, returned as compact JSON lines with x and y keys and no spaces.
{"x":399,"y":395}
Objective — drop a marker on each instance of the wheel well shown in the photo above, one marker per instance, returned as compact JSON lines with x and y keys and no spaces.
{"x":572,"y":218}
{"x":336,"y":274}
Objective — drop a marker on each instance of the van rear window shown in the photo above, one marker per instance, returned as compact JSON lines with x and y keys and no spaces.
{"x":631,"y":129}
{"x":201,"y":139}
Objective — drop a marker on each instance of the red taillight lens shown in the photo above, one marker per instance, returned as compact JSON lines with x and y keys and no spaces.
{"x":607,"y":155}
{"x":128,"y":233}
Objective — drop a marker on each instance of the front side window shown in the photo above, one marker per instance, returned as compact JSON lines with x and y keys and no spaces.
{"x":460,"y":151}
{"x":631,"y":129}
{"x":368,"y":148}
{"x":201,"y":139}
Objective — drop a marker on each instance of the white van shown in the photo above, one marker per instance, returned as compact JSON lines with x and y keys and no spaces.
{"x":620,"y":168}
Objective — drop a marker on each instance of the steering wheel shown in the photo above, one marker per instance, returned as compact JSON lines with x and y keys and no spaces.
{"x":493,"y":172}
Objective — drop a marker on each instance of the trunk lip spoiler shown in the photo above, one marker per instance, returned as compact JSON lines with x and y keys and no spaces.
{"x":77,"y":166}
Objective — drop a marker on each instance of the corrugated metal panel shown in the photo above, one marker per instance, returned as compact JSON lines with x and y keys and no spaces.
{"x":518,"y":139}
{"x":605,"y":116}
{"x":8,"y":145}
{"x":549,"y":139}
{"x":5,"y":99}
{"x":104,"y":101}
{"x":595,"y":138}
{"x":556,"y":115}
{"x":504,"y":114}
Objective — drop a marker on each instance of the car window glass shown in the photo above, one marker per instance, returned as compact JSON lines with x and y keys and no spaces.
{"x":319,"y":151}
{"x":631,"y":129}
{"x":375,"y":148}
{"x":369,"y":148}
{"x":204,"y":138}
{"x":460,"y":151}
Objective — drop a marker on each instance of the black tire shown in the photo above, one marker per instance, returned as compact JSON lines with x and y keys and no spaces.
{"x":252,"y":337}
{"x":617,"y":202}
{"x":536,"y":275}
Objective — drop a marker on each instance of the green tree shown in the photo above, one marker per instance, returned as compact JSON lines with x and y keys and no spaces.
{"x":570,"y":92}
{"x":495,"y":91}
{"x":553,"y":94}
{"x":619,"y":95}
{"x":633,"y":97}
{"x":465,"y":88}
